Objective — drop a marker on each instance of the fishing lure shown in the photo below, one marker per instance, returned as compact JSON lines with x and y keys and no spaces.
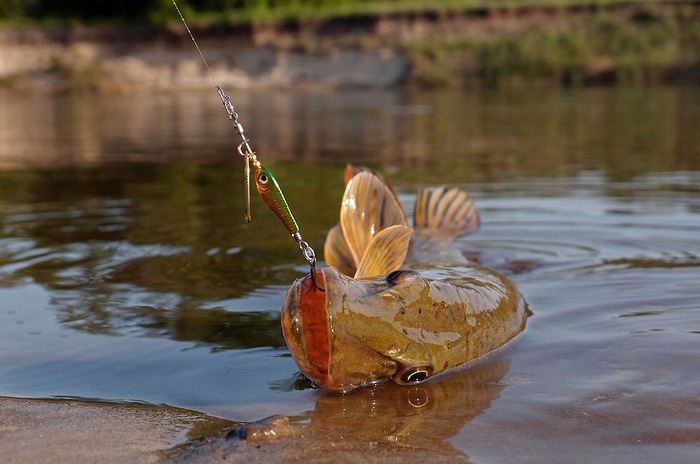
{"x":266,"y":184}
{"x":269,"y":190}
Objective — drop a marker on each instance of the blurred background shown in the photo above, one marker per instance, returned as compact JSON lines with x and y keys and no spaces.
{"x":137,"y":45}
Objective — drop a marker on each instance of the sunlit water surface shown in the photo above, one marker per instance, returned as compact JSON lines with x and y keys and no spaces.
{"x":127,"y":271}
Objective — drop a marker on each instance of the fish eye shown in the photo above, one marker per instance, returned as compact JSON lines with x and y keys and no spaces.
{"x":262,"y":178}
{"x":418,"y":375}
{"x":413,"y":375}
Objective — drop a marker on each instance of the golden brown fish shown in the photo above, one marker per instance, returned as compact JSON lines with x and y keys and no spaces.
{"x":414,"y":307}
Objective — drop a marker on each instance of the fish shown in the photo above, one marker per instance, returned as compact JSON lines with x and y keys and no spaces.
{"x":397,"y":302}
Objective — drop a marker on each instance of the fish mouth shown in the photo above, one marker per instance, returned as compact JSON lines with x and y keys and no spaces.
{"x":327,"y":338}
{"x":305,"y":326}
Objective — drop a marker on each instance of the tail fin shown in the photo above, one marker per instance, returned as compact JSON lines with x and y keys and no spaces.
{"x":447,"y":211}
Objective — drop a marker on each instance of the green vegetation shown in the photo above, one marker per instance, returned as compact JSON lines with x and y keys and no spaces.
{"x":633,"y":47}
{"x":204,"y":11}
{"x":623,"y":41}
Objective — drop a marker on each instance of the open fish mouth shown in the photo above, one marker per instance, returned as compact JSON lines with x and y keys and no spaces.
{"x":318,"y":329}
{"x":305,"y":327}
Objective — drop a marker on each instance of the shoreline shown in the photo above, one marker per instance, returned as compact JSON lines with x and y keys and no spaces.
{"x":406,"y":423}
{"x":86,"y":431}
{"x":635,"y":44}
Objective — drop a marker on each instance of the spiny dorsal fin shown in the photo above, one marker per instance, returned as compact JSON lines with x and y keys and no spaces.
{"x":368,"y":207}
{"x":337,"y":253}
{"x":386,"y":252}
{"x":446,"y":211}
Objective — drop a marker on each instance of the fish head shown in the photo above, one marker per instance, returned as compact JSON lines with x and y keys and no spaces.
{"x":352,"y":332}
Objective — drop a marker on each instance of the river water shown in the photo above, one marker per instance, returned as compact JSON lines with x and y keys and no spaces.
{"x":128,"y":273}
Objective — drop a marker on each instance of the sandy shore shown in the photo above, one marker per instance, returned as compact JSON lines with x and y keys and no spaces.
{"x":65,"y":431}
{"x":78,"y":432}
{"x":70,"y":432}
{"x":386,"y":423}
{"x":138,"y":59}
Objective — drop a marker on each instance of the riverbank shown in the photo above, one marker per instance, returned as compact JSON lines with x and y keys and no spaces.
{"x":630,"y":44}
{"x":385,"y":423}
{"x":73,"y":431}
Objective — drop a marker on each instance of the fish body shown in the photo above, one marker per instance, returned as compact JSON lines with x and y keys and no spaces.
{"x":414,"y":307}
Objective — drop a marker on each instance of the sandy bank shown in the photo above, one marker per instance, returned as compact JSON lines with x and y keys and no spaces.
{"x":144,"y":59}
{"x":386,"y":423}
{"x":63,"y":431}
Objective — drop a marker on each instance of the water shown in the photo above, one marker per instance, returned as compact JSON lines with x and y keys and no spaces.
{"x":127,"y":271}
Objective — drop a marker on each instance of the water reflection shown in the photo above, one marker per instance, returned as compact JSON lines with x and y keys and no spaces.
{"x":153,"y":250}
{"x":386,"y":421}
{"x":423,"y":417}
{"x":125,"y":260}
{"x":451,"y":136}
{"x":163,"y":251}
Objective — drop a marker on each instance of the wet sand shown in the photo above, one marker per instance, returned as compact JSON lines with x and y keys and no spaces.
{"x":385,"y":423}
{"x":66,"y":431}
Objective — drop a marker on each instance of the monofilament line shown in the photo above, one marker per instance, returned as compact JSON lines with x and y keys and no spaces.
{"x":195,"y":42}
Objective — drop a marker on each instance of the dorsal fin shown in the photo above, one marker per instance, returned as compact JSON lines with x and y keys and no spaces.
{"x":352,"y":170}
{"x":445,"y":211}
{"x":337,"y":253}
{"x":368,"y":207}
{"x":386,"y":252}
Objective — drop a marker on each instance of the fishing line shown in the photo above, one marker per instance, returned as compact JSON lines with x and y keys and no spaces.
{"x":280,"y":208}
{"x":244,"y":148}
{"x":195,"y":43}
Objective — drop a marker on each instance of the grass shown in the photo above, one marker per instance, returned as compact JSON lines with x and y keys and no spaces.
{"x":633,"y":49}
{"x":164,"y":13}
{"x":333,"y":9}
{"x":607,"y":46}
{"x":635,"y":42}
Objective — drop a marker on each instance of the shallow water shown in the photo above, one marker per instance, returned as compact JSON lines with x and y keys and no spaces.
{"x":129,"y":274}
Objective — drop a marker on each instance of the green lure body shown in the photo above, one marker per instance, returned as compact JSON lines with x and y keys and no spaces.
{"x":271,"y":193}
